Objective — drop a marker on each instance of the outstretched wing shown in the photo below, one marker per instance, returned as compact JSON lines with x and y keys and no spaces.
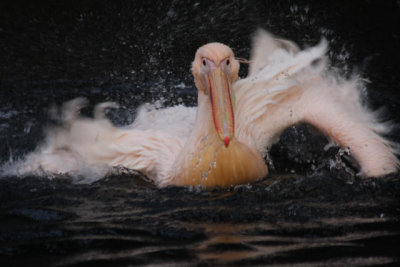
{"x":88,"y":147}
{"x":286,"y":86}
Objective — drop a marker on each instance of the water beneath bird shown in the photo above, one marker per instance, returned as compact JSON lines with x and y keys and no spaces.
{"x":123,"y":220}
{"x":311,"y":210}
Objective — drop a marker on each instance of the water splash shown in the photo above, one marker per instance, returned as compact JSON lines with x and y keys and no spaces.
{"x":57,"y":155}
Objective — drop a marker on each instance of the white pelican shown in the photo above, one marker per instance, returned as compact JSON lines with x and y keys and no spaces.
{"x":224,"y":140}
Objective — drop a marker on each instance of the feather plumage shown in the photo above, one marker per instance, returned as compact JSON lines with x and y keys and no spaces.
{"x":179,"y":145}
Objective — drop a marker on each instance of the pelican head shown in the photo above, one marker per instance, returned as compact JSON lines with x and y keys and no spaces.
{"x":215,"y":69}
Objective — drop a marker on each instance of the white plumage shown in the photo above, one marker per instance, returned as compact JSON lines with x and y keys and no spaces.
{"x":285,"y":86}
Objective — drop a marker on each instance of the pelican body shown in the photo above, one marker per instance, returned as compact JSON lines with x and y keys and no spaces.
{"x":225,"y":140}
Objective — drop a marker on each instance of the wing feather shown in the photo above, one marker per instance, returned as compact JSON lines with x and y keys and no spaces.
{"x":286,"y":86}
{"x":90,"y":147}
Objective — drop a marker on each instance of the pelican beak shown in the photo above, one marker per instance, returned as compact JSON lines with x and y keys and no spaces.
{"x":219,"y":86}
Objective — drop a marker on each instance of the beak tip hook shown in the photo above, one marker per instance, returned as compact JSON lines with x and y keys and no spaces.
{"x":226,"y":141}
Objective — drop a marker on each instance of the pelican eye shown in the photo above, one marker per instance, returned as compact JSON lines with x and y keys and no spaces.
{"x":204,"y":62}
{"x":227,"y":62}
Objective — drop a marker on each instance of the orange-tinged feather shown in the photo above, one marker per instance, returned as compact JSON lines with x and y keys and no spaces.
{"x":217,"y":165}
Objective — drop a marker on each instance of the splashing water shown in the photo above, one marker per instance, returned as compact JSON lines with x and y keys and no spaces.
{"x":133,"y":53}
{"x":57,"y":154}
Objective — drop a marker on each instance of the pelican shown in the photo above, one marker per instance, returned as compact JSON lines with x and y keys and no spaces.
{"x":223,"y":141}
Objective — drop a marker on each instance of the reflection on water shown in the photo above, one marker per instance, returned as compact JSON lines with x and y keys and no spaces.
{"x":246,"y":243}
{"x":124,"y":220}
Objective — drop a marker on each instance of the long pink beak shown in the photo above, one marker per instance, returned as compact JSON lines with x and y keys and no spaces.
{"x":221,"y":102}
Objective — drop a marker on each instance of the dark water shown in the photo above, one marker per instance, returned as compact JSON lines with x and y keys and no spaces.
{"x":131,"y":52}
